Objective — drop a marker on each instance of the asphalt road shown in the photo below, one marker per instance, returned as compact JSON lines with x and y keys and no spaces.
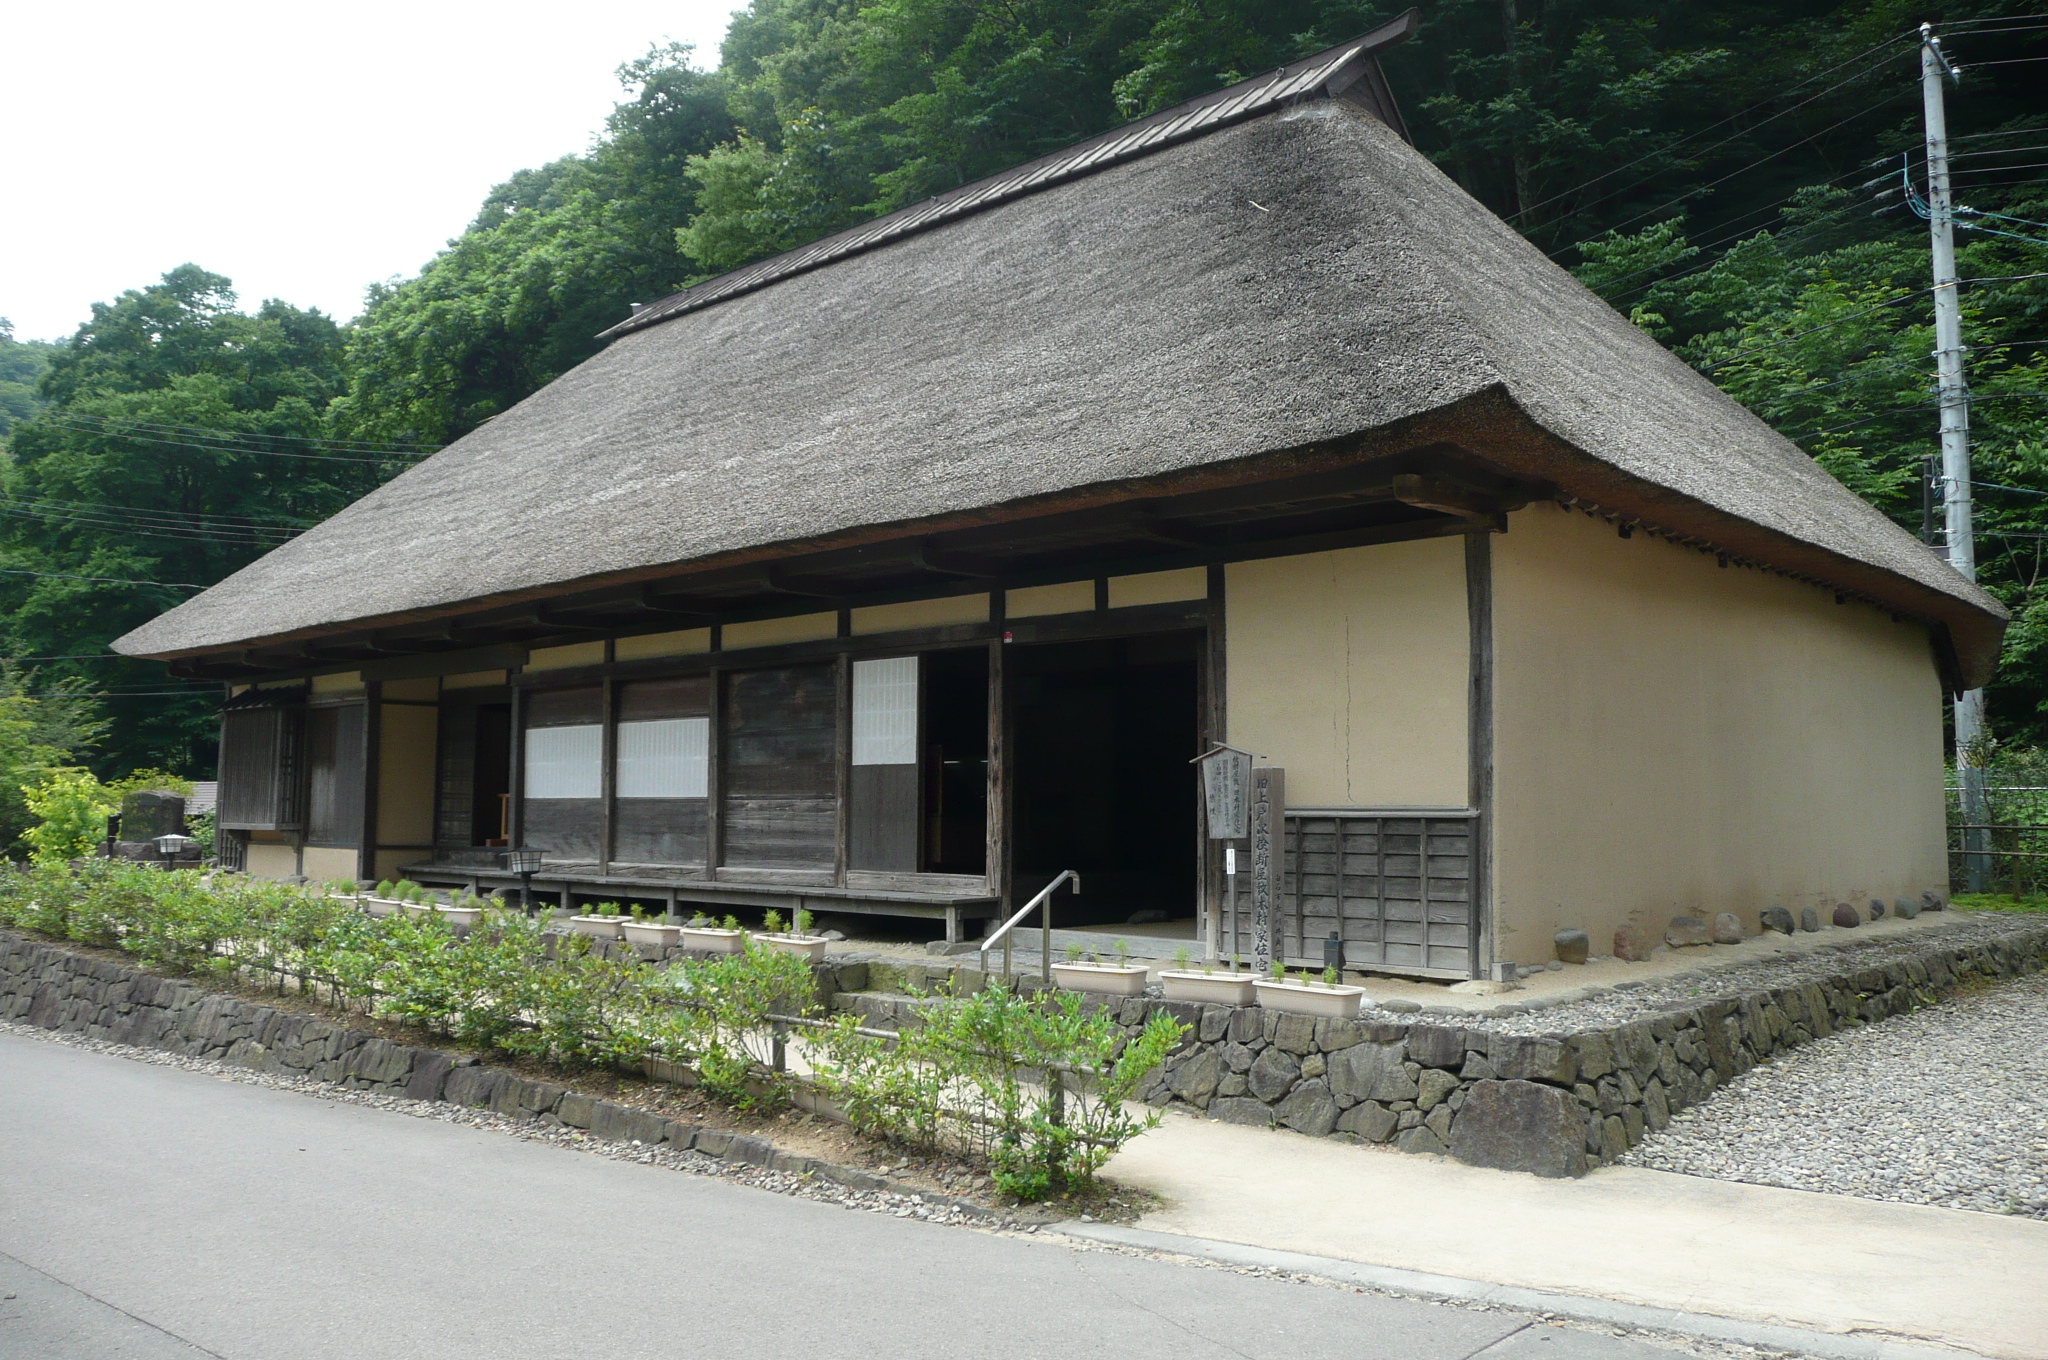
{"x":150,"y":1213}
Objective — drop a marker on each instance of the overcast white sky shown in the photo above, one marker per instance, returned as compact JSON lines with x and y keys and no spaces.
{"x":302,"y":150}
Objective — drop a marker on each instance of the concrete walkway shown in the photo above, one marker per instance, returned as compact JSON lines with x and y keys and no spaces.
{"x":1819,"y":1262}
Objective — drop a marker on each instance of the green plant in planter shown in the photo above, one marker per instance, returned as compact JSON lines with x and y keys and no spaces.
{"x":639,"y":913}
{"x":699,"y":921}
{"x":771,"y":923}
{"x":731,"y":923}
{"x":407,"y":891}
{"x":1331,"y":977}
{"x":386,"y":888}
{"x":1073,"y":952}
{"x":1180,"y":958}
{"x":804,"y":921}
{"x":1278,"y":970}
{"x":1123,"y":954}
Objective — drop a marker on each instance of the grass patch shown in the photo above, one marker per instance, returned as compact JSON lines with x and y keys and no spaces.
{"x":2035,"y":903}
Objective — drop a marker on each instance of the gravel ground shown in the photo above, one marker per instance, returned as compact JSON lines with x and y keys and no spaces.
{"x":1945,"y":1106}
{"x":1634,"y":1000}
{"x":901,"y":1206}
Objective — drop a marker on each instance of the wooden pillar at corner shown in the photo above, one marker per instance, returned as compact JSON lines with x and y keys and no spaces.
{"x":607,"y":775}
{"x":1485,"y":936}
{"x":1215,"y":730}
{"x":373,"y":753}
{"x":515,"y":831}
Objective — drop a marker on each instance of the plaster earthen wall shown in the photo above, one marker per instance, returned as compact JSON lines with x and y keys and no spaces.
{"x":1672,"y":736}
{"x":1349,"y":668}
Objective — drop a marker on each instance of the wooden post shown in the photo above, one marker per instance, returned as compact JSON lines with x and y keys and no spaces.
{"x":1215,"y":730}
{"x":842,"y":760}
{"x":515,"y":834}
{"x":998,"y":774}
{"x":607,"y":775}
{"x":373,"y":743}
{"x":1482,"y":934}
{"x":714,"y":774}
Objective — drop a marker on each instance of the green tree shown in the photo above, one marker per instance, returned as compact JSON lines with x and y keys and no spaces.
{"x":22,"y":364}
{"x":554,"y":256}
{"x":182,"y":439}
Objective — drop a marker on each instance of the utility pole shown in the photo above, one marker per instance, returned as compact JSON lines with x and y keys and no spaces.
{"x":1955,"y":436}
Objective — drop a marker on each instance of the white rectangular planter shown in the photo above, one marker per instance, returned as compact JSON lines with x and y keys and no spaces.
{"x":1336,"y":1003}
{"x":1106,"y":979}
{"x":709,"y":939}
{"x":600,"y":927}
{"x":1214,"y":989}
{"x":650,"y":932}
{"x":460,"y":916}
{"x":811,"y":947}
{"x":418,"y":908}
{"x":379,"y":906}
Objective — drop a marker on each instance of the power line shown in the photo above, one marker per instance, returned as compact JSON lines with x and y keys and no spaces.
{"x":108,"y":580}
{"x":67,"y":420}
{"x":349,"y":445}
{"x":1738,"y":114}
{"x":1761,"y":160}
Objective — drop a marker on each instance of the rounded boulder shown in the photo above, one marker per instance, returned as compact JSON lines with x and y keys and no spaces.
{"x":1846,"y":917}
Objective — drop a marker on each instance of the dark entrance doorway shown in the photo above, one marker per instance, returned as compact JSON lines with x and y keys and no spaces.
{"x":493,"y":777}
{"x":1102,"y":734}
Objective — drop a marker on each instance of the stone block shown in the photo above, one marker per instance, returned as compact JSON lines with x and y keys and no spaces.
{"x":1521,"y":1126}
{"x":573,"y":1109}
{"x":1572,"y":946}
{"x":1596,"y":1055}
{"x":1809,"y":919}
{"x":1876,"y":909}
{"x":381,"y":1063}
{"x":1214,"y":1024}
{"x":1684,"y":931}
{"x":1433,"y":1087}
{"x":1309,"y":1108}
{"x":714,"y":1142}
{"x":1373,"y":1122}
{"x":1846,"y":916}
{"x":1933,"y":900}
{"x":1906,"y":908}
{"x":505,"y":1100}
{"x":1272,"y":1074}
{"x":1291,"y":1033}
{"x":624,"y":1124}
{"x":1727,"y":928}
{"x":1241,"y":1110}
{"x":1632,"y":943}
{"x":1247,"y":1023}
{"x":429,"y":1075}
{"x":1517,"y":1058}
{"x":1436,"y":1046}
{"x":1776,"y":918}
{"x":1422,"y":1139}
{"x":749,"y":1149}
{"x":679,"y":1133}
{"x":1238,"y":1058}
{"x":474,"y":1086}
{"x":1364,"y":1071}
{"x":1194,"y":1077}
{"x":1334,"y":1034}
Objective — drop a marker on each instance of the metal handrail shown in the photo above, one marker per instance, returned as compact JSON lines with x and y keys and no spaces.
{"x":1045,"y":927}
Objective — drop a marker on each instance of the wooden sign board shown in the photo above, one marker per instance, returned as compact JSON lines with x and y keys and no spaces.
{"x":1268,"y":832}
{"x":1226,"y":792}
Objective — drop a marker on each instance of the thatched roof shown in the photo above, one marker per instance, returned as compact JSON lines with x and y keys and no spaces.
{"x":1292,"y":275}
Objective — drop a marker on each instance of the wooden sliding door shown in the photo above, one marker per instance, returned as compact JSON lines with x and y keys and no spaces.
{"x":564,"y":775}
{"x":662,"y":773}
{"x":780,"y":800}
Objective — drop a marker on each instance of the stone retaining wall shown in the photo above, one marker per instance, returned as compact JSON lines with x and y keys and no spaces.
{"x":53,"y":988}
{"x":1555,"y":1104}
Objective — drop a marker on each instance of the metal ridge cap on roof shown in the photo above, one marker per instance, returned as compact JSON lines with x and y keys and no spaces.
{"x":1217,"y":109}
